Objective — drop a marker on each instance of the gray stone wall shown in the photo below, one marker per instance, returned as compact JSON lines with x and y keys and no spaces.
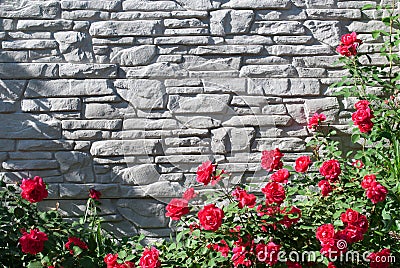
{"x":130,"y":96}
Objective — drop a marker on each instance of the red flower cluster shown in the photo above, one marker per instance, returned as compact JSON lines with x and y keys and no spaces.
{"x":94,"y":194}
{"x":281,"y":176}
{"x":33,"y":242}
{"x":210,"y":217}
{"x":290,"y":217}
{"x":34,"y":190}
{"x":243,"y":250}
{"x":330,"y":170}
{"x":356,"y":226}
{"x":111,"y":261}
{"x":348,"y":45}
{"x":315,"y":120}
{"x":302,"y":164}
{"x":375,"y":191}
{"x":362,"y":116}
{"x":176,"y":208}
{"x":333,"y":243}
{"x":221,"y":247}
{"x":150,"y":259}
{"x":271,"y":160}
{"x":244,"y":198}
{"x":274,"y":193}
{"x":74,"y":241}
{"x":380,"y":259}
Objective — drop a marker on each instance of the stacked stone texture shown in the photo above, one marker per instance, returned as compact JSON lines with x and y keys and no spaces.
{"x":130,"y":96}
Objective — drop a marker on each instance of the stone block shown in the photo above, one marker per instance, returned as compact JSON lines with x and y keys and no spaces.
{"x":8,"y":106}
{"x":140,"y":175}
{"x":85,"y":15}
{"x":67,"y":88}
{"x":142,"y":93}
{"x":143,"y":213}
{"x":278,"y":28}
{"x":268,"y":71}
{"x":13,"y":56}
{"x":111,"y":5}
{"x":227,"y":49}
{"x":45,"y":145}
{"x":224,"y":22}
{"x":29,"y":44}
{"x":29,"y":164}
{"x":202,"y":5}
{"x":34,"y":9}
{"x":7,"y":145}
{"x":53,"y":104}
{"x":202,"y":103}
{"x":28,"y":70}
{"x":146,"y":5}
{"x":327,"y":32}
{"x":254,"y":4}
{"x":328,"y":105}
{"x":285,"y":50}
{"x":127,"y":147}
{"x":48,"y":25}
{"x":92,"y":124}
{"x":182,"y":40}
{"x":126,"y":28}
{"x":156,"y":70}
{"x":26,"y":126}
{"x":70,"y":70}
{"x":75,"y":166}
{"x":75,"y":46}
{"x":102,"y":111}
{"x":134,"y":56}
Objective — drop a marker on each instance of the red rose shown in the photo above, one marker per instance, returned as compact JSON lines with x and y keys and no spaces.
{"x":127,"y":264}
{"x":362,"y":104}
{"x":281,"y":176}
{"x":302,"y":164}
{"x":315,"y":120}
{"x":325,"y":233}
{"x":291,"y":264}
{"x":271,"y":160}
{"x":177,"y":208}
{"x":111,"y":259}
{"x":149,"y":258}
{"x":361,"y":116}
{"x":34,"y":190}
{"x":330,"y":170}
{"x":365,"y":126}
{"x":380,"y":259}
{"x":268,"y":253}
{"x":352,"y":234}
{"x":94,"y":194}
{"x":189,"y":194}
{"x":33,"y":242}
{"x":350,"y":216}
{"x":376,"y":192}
{"x":362,"y":223}
{"x":244,"y":198}
{"x":205,"y":172}
{"x":335,"y":246}
{"x":74,"y":241}
{"x":348,"y":39}
{"x":326,"y":187}
{"x":210,"y":217}
{"x":274,"y":193}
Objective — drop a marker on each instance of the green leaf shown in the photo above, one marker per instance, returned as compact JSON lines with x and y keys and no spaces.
{"x":35,"y":264}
